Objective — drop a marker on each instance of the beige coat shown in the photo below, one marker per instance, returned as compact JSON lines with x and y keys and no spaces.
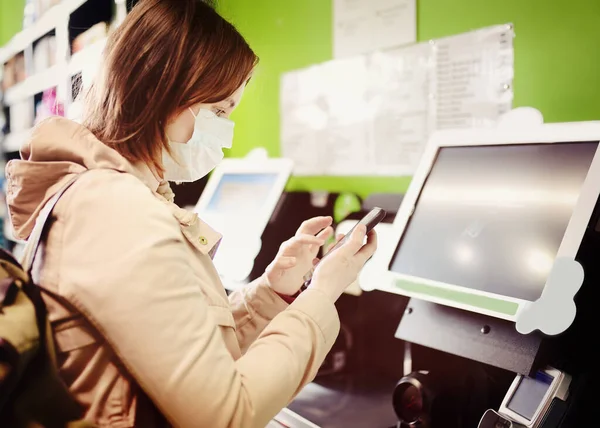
{"x":138,"y":305}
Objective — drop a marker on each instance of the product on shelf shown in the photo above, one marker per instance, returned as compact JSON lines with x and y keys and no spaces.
{"x":48,"y":106}
{"x":21,"y":115}
{"x":44,"y":54}
{"x":90,"y":36}
{"x":42,"y":6}
{"x":35,"y":9}
{"x":9,"y":76}
{"x":29,"y":15}
{"x":20,"y":72}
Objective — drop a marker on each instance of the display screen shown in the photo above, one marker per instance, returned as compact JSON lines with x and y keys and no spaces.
{"x":492,"y":218}
{"x":529,"y":395}
{"x":239,"y":196}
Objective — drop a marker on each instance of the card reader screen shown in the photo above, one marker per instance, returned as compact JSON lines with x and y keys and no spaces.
{"x":241,"y":192}
{"x":529,"y":395}
{"x":239,"y":196}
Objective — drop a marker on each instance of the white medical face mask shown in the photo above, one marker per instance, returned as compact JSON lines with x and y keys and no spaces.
{"x":203,"y":152}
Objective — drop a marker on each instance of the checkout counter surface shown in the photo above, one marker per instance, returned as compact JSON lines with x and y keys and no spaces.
{"x":343,"y":401}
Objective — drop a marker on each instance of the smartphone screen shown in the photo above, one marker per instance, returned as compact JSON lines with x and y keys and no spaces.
{"x":374,"y":217}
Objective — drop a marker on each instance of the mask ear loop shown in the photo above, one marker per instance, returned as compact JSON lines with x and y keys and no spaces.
{"x":178,"y":161}
{"x":191,"y":111}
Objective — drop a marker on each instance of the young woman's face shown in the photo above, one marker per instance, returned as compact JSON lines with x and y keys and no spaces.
{"x":180,"y":130}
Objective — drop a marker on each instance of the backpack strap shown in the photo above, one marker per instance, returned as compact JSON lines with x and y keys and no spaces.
{"x":35,"y":238}
{"x":49,"y":399}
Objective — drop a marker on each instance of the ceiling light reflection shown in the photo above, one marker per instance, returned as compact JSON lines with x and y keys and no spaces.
{"x":464,"y":254}
{"x":540,"y":262}
{"x":498,"y":196}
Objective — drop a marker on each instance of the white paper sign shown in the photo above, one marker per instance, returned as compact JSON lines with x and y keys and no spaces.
{"x":365,"y":26}
{"x":358,"y":116}
{"x":373,"y":114}
{"x":400,"y":89}
{"x":473,"y":77}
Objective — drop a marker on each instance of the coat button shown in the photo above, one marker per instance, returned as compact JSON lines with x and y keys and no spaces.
{"x":203,"y":240}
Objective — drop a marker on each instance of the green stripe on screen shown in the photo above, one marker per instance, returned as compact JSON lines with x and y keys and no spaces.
{"x":482,"y":302}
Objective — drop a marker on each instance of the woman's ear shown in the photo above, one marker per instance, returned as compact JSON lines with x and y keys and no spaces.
{"x":181,"y":127}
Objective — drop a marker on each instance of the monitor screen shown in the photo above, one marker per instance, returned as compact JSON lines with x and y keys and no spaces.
{"x":492,"y":218}
{"x":529,"y":395}
{"x":239,"y":195}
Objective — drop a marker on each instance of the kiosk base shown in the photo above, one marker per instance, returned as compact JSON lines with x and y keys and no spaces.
{"x":477,"y":337}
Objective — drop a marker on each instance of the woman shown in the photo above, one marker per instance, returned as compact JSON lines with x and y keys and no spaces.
{"x":145,"y":332}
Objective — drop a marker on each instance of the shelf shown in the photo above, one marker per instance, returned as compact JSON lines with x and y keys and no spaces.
{"x":89,"y":56}
{"x":12,"y":142}
{"x":33,"y":85}
{"x":51,"y":19}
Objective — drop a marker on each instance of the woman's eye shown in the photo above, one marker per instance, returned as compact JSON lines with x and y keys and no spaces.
{"x":219,"y":112}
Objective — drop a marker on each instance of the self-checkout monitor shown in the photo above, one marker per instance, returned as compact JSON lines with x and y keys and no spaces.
{"x":487,"y":214}
{"x":238,"y":201}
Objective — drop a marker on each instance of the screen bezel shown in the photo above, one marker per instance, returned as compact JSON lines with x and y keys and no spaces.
{"x":231,"y":166}
{"x":378,"y":275}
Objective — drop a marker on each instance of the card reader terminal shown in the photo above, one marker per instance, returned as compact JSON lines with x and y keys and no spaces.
{"x":528,"y":400}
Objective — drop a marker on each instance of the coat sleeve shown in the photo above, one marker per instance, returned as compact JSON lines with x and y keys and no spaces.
{"x":124,"y":265}
{"x":253,"y":307}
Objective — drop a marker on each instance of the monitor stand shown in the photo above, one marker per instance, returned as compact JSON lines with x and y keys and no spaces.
{"x":470,"y":335}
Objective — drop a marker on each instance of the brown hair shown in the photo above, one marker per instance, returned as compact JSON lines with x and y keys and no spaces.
{"x":166,"y":56}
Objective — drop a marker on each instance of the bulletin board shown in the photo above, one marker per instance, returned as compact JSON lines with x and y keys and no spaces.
{"x":556,"y":62}
{"x":373,"y":114}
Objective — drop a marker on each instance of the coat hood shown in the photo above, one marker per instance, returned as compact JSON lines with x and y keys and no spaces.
{"x":56,"y":149}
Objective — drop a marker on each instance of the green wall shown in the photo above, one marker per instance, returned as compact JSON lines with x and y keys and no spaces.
{"x":557,"y":56}
{"x":11,"y":18}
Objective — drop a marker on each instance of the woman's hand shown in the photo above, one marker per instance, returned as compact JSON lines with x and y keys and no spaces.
{"x":341,"y":267}
{"x":296,"y":256}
